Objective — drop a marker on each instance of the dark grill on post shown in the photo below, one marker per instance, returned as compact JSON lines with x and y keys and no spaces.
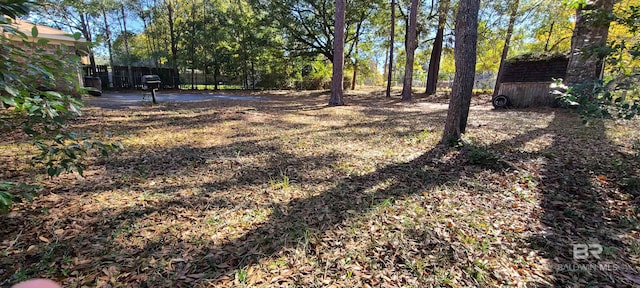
{"x":151,"y":82}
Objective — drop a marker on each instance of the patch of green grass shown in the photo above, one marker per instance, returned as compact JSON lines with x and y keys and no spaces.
{"x":213,"y":220}
{"x":635,"y":147}
{"x":484,"y":245}
{"x":444,"y":277}
{"x":384,"y":204}
{"x":480,"y":271}
{"x":571,"y":213}
{"x":308,"y":237}
{"x":21,"y":275}
{"x":278,"y":263}
{"x":418,"y":267}
{"x":628,"y":222}
{"x":424,"y":136}
{"x":282,"y":183}
{"x":481,"y":156}
{"x":241,"y":275}
{"x":635,"y":247}
{"x":210,"y":87}
{"x":631,"y":185}
{"x":124,"y":229}
{"x":609,"y":252}
{"x":150,"y":195}
{"x":467,"y":239}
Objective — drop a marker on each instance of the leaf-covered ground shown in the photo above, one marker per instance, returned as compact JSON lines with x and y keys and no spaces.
{"x":289,"y":192}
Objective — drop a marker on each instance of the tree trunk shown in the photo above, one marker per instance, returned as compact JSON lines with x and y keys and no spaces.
{"x":174,"y":46}
{"x":436,"y":52}
{"x":507,"y":40}
{"x":216,"y":71}
{"x":205,"y":18}
{"x":546,"y":42}
{"x":391,"y":41}
{"x":253,"y":75}
{"x":411,"y":49}
{"x":591,"y":31}
{"x":355,"y":59}
{"x":148,"y":39}
{"x":84,"y":22}
{"x":337,"y":90}
{"x":153,"y":34}
{"x":466,"y":38}
{"x":126,"y":46}
{"x":193,"y":77}
{"x":192,"y":45}
{"x":385,"y":68}
{"x":206,"y":78}
{"x":406,"y":38}
{"x":243,"y":53}
{"x":108,"y":34}
{"x":245,"y":75}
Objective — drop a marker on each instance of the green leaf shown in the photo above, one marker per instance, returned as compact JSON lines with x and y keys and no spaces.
{"x":80,"y":170}
{"x":52,"y":171}
{"x":12,"y":91}
{"x":52,"y":95}
{"x":8,"y":100}
{"x":59,"y":138}
{"x":75,"y":109}
{"x":34,"y":32}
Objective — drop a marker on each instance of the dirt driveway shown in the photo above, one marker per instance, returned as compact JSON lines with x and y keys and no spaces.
{"x":122,"y":100}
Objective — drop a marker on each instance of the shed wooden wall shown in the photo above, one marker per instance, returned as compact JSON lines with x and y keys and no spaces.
{"x":526,"y":82}
{"x":528,"y":94}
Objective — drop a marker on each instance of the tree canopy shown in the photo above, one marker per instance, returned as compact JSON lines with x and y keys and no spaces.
{"x":271,"y":44}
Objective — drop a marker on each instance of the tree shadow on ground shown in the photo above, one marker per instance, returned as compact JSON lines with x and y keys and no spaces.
{"x":574,"y":209}
{"x":570,"y":182}
{"x":586,"y":202}
{"x":332,"y":208}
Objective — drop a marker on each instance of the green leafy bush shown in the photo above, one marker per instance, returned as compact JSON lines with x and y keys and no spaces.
{"x":28,"y":77}
{"x":601,"y":100}
{"x":315,"y":83}
{"x":11,"y":192}
{"x":346,"y":82}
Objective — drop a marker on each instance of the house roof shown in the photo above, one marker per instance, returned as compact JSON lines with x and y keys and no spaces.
{"x":45,"y":32}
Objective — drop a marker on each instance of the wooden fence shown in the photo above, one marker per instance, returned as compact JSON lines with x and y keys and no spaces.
{"x":118,"y":76}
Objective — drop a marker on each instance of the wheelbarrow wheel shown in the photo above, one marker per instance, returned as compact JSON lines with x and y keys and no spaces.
{"x":501,"y":101}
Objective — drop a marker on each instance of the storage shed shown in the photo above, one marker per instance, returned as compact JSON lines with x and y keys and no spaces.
{"x":525,"y":81}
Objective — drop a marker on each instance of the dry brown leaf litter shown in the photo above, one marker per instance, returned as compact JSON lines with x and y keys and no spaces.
{"x":289,"y":192}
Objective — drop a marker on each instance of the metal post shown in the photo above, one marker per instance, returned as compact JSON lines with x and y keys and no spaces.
{"x":153,"y":95}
